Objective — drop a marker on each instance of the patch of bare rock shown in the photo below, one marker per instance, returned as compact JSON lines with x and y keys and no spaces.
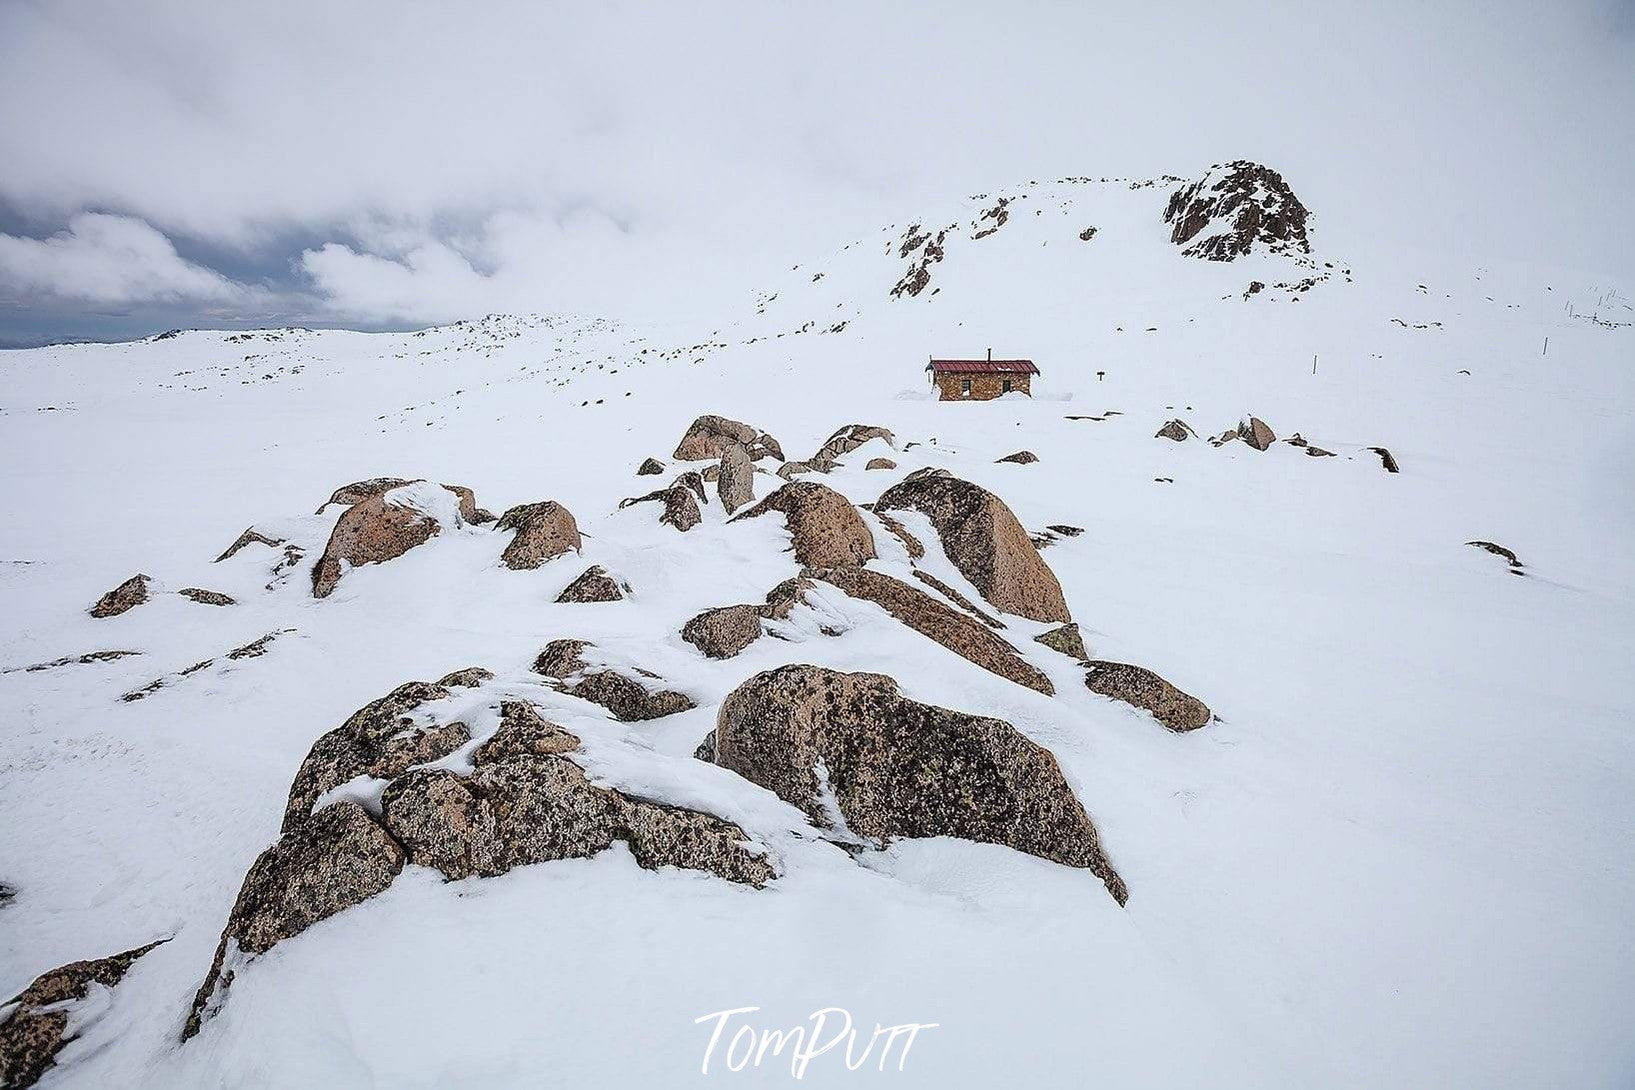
{"x":895,"y":768}
{"x":826,"y":529}
{"x":1234,"y":208}
{"x":540,"y":532}
{"x":881,"y":463}
{"x":250,"y":536}
{"x":735,"y":477}
{"x":1065,"y":639}
{"x":1021,"y":457}
{"x":706,"y":439}
{"x":371,"y":531}
{"x":52,"y":1011}
{"x":128,"y":595}
{"x":650,"y":467}
{"x":1141,"y":688}
{"x":1177,"y":430}
{"x":962,"y":635}
{"x":523,"y":802}
{"x":629,"y":700}
{"x":984,"y":540}
{"x":594,"y":585}
{"x":206,"y":597}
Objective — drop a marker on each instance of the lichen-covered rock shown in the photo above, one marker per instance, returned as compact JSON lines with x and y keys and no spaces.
{"x":915,"y":547}
{"x":985,"y":542}
{"x":846,"y":440}
{"x":1256,"y":433}
{"x":649,"y":467}
{"x":1177,"y":430}
{"x":629,"y":700}
{"x":348,"y":494}
{"x":957,"y":598}
{"x":709,"y":434}
{"x":735,"y":481}
{"x":379,"y":739}
{"x":1140,"y":687}
{"x":680,"y":508}
{"x":880,"y":463}
{"x":207,"y":597}
{"x":593,"y":585}
{"x":960,"y":634}
{"x":893,"y":767}
{"x":467,"y":677}
{"x":1234,"y":208}
{"x":723,"y":632}
{"x":826,"y":529}
{"x":128,"y":595}
{"x":379,"y":486}
{"x":36,"y":1023}
{"x":371,"y":531}
{"x":1021,"y":457}
{"x":1065,"y":639}
{"x":790,"y":470}
{"x":336,"y":859}
{"x":523,"y":730}
{"x":530,"y":808}
{"x":542,"y":532}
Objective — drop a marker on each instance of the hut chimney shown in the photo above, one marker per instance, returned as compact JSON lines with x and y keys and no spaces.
{"x":990,"y":355}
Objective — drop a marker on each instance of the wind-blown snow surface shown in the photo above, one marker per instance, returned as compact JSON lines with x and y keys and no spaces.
{"x":1400,"y":858}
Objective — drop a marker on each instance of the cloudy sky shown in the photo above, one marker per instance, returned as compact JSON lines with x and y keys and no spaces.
{"x":397,"y":164}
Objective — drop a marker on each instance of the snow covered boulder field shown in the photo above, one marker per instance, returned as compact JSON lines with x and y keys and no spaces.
{"x":1250,"y":704}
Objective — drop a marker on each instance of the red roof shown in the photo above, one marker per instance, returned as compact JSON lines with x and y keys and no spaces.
{"x":982,"y":367}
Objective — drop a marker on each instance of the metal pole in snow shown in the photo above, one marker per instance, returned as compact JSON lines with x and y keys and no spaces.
{"x":1546,"y":351}
{"x":1314,"y":363}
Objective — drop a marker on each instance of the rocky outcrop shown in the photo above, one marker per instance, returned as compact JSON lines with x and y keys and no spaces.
{"x":379,"y":739}
{"x":541,"y":532}
{"x":1065,"y":639}
{"x":844,"y":441}
{"x":468,"y":677}
{"x":957,"y":598}
{"x":962,"y":635}
{"x":709,"y":434}
{"x":892,"y":767}
{"x":371,"y":531}
{"x":629,"y":700}
{"x":735,"y":480}
{"x":1256,"y":433}
{"x":1021,"y":458}
{"x":723,"y":632}
{"x":1177,"y":430}
{"x":36,"y":1023}
{"x":826,"y":529}
{"x":593,"y":585}
{"x":523,"y":731}
{"x":649,"y":467}
{"x":128,"y":595}
{"x":378,"y":486}
{"x":348,"y":494}
{"x":1140,"y":687}
{"x":526,"y":808}
{"x":790,"y":470}
{"x":250,"y":536}
{"x":337,"y":858}
{"x":881,"y":463}
{"x":206,"y":597}
{"x":985,"y":542}
{"x":680,"y":508}
{"x":1234,"y":208}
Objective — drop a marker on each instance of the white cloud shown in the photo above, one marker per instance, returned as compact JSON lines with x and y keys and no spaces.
{"x":603,"y":157}
{"x":109,"y":259}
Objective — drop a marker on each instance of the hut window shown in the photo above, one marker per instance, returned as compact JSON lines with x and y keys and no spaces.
{"x":965,"y":387}
{"x":1005,"y":386}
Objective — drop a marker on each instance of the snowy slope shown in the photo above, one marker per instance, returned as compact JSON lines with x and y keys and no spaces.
{"x":1399,"y":858}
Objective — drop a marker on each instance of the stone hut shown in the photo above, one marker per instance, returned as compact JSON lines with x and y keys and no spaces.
{"x":980,"y":380}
